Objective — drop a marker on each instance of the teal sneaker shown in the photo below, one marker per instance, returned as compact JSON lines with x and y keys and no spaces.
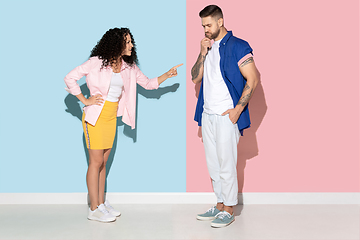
{"x":209,"y":214}
{"x":222,"y":219}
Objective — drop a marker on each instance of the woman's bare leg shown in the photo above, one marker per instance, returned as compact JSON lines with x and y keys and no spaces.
{"x":96,"y":160}
{"x":102,"y":176}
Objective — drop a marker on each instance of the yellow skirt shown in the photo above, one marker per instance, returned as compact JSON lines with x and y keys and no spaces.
{"x":101,"y":136}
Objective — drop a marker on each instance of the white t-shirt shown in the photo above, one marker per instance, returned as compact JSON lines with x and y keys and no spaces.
{"x":217,"y":98}
{"x":116,"y":87}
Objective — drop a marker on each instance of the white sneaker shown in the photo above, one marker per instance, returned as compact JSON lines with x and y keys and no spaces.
{"x":101,"y":214}
{"x":111,"y":210}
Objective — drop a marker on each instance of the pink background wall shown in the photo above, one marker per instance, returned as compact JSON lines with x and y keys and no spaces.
{"x":305,"y":113}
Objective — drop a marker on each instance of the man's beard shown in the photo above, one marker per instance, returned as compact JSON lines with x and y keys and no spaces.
{"x":214,"y":35}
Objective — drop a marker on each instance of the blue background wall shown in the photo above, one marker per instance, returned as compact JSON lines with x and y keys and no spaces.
{"x":41,"y":144}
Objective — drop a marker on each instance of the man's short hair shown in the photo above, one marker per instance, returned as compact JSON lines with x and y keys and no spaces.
{"x":211,"y":10}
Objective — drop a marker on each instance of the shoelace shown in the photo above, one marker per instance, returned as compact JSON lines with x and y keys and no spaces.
{"x":107,"y":204}
{"x":221,"y":215}
{"x":110,"y":207}
{"x":103,"y":210}
{"x":211,"y":210}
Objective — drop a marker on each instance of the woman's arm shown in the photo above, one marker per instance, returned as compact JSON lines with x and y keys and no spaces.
{"x":74,"y":75}
{"x":154,"y":83}
{"x":73,"y":87}
{"x":92,"y":100}
{"x":169,"y":74}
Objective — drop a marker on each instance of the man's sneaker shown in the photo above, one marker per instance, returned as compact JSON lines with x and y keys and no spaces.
{"x":209,"y":214}
{"x":101,"y":214}
{"x":222,"y":219}
{"x":111,"y":210}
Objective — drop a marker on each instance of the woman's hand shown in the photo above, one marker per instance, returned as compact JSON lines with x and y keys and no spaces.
{"x":169,"y":74}
{"x":94,"y":100}
{"x":173,"y":72}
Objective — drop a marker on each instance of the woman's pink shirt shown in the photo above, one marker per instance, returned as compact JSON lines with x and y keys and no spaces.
{"x":98,"y":82}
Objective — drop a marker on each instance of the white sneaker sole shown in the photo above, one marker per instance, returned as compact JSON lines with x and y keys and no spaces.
{"x":111,"y":211}
{"x":116,"y":215}
{"x":204,"y":218}
{"x":102,"y":220}
{"x":219,"y":225}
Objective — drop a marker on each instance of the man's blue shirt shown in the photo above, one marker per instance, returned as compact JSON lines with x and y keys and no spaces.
{"x":232,"y":49}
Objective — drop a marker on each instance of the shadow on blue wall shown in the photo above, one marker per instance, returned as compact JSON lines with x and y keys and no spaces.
{"x":73,"y":107}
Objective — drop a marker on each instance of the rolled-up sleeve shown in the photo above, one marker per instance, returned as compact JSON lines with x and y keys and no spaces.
{"x":74,"y":75}
{"x":242,"y":51}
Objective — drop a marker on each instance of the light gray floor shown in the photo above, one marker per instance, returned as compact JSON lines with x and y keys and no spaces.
{"x":276,"y":222}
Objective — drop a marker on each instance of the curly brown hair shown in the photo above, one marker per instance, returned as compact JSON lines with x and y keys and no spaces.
{"x":112,"y":44}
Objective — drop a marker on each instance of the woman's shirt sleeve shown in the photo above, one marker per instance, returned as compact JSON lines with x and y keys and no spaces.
{"x":144,"y":81}
{"x":74,"y":75}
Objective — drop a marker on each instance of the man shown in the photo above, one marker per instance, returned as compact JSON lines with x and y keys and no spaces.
{"x":228,"y":77}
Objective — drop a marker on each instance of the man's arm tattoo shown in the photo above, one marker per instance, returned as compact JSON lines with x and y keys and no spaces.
{"x":246,"y":87}
{"x":196,"y":68}
{"x":247,"y":61}
{"x":246,"y":98}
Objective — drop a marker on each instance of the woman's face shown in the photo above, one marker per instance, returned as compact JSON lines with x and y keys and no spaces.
{"x":128,"y":46}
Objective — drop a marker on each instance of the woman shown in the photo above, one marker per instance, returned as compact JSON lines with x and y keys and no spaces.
{"x":111,"y":76}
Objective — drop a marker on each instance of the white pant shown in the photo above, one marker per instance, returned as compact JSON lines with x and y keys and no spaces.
{"x":220,"y":137}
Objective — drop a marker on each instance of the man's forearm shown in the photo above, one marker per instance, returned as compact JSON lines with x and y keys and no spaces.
{"x":234,"y":113}
{"x":198,"y":69}
{"x":247,"y":93}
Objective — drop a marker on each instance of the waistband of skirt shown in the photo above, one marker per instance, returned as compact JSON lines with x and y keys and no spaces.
{"x":111,"y":103}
